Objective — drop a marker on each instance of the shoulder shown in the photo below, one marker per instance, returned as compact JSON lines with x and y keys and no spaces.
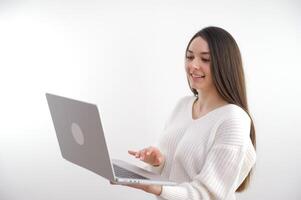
{"x":234,"y":113}
{"x":234,"y":125}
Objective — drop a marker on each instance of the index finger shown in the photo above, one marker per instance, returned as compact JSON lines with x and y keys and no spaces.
{"x":149,"y":151}
{"x":132,"y":152}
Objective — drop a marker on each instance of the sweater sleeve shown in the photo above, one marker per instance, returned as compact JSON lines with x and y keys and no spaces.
{"x":178,"y":105}
{"x":225,"y":162}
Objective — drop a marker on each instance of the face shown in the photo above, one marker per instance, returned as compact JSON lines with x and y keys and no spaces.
{"x":197,"y":65}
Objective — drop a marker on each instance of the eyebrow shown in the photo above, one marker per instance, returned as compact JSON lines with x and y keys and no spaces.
{"x":204,"y":52}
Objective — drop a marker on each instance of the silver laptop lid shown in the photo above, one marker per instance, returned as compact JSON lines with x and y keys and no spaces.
{"x":80,"y":134}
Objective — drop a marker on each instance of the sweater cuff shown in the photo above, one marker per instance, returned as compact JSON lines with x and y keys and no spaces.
{"x":173,"y":192}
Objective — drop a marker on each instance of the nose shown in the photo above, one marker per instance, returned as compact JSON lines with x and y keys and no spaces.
{"x":194,"y":64}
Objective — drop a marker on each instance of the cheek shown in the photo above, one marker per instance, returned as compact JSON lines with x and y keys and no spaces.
{"x":207,"y":70}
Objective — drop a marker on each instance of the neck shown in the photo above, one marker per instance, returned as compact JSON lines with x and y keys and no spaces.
{"x":209,"y":100}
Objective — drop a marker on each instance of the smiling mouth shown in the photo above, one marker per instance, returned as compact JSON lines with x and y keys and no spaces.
{"x":195,"y":76}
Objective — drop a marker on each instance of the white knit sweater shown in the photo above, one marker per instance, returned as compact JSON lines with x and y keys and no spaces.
{"x":209,"y":157}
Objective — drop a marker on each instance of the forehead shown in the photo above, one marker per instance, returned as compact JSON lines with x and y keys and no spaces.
{"x":198,"y":45}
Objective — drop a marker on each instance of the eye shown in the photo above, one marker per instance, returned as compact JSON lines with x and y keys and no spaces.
{"x":189,"y":57}
{"x":205,"y":60}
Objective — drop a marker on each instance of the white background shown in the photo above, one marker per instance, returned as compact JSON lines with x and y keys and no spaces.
{"x":128,"y":58}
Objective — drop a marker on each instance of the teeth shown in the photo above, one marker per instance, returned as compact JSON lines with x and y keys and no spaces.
{"x":197,"y":76}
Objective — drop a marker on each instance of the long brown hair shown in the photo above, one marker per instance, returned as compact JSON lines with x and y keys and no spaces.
{"x":227,"y":74}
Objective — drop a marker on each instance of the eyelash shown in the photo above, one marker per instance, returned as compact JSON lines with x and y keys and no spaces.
{"x":203,"y":59}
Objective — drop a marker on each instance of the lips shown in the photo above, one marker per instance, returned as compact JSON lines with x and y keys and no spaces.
{"x":197,"y":76}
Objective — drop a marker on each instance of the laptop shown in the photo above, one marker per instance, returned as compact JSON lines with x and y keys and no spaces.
{"x":82,"y":141}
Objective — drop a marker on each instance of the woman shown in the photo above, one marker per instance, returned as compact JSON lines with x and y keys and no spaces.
{"x":208,"y":145}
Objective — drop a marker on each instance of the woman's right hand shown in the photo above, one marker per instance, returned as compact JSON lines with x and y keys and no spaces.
{"x":150,"y":155}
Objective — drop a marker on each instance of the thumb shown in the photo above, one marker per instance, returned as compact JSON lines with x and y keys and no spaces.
{"x":112,"y":183}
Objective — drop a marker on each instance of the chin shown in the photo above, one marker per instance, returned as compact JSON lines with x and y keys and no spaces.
{"x":197,"y":87}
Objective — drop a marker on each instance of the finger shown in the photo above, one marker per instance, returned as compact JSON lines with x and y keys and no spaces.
{"x":137,"y":155}
{"x":146,"y":154}
{"x":149,"y":151}
{"x":136,"y":186}
{"x":133,"y":153}
{"x":142,"y":154}
{"x":112,"y":183}
{"x":158,"y":161}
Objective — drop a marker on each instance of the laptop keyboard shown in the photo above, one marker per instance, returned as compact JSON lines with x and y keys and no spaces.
{"x":124,"y":173}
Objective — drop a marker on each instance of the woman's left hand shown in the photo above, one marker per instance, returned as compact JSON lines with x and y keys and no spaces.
{"x":153,"y":189}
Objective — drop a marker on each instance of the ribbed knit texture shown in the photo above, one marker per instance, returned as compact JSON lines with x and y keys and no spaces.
{"x":208,"y":157}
